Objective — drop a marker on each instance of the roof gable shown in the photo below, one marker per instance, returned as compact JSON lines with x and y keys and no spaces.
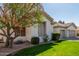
{"x":48,"y":17}
{"x":66,"y":25}
{"x":72,"y":24}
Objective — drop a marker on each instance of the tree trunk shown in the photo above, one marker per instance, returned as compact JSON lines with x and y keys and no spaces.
{"x":8,"y":37}
{"x":11,"y":43}
{"x":7,"y":42}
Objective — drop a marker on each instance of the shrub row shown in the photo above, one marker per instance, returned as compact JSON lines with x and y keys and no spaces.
{"x":77,"y":34}
{"x":55,"y":37}
{"x":35,"y":40}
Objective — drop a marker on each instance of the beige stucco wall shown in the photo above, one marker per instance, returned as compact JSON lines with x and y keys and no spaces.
{"x":49,"y":30}
{"x":57,"y":30}
{"x":34,"y":30}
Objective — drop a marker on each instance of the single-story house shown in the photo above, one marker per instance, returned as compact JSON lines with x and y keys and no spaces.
{"x":65,"y":29}
{"x":37,"y":30}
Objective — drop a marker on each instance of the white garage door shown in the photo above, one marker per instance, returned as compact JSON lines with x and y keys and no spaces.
{"x":71,"y":33}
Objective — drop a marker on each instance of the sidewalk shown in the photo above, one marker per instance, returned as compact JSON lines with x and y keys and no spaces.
{"x":7,"y":51}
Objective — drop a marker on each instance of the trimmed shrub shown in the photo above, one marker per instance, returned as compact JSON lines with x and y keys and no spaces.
{"x":55,"y":36}
{"x":35,"y":40}
{"x":77,"y":34}
{"x":45,"y":38}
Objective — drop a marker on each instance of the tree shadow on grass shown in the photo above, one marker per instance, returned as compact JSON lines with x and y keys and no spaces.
{"x":59,"y":41}
{"x":35,"y":50}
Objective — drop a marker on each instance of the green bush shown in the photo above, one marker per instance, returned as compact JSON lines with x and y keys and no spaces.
{"x":35,"y":40}
{"x":77,"y":34}
{"x":19,"y":42}
{"x":45,"y":38}
{"x":55,"y":36}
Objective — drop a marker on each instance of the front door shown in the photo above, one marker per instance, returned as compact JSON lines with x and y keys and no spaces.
{"x":42,"y":29}
{"x":62,"y":33}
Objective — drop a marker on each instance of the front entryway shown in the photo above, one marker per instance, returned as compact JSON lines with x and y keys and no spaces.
{"x":42,"y":29}
{"x":62,"y":34}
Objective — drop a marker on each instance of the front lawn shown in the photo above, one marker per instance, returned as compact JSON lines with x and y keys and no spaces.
{"x":64,"y":48}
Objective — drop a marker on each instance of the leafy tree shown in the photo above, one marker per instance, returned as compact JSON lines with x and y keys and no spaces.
{"x":63,"y":22}
{"x":18,"y":15}
{"x":60,"y":21}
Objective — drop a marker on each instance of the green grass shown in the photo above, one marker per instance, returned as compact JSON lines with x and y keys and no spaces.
{"x":64,"y":48}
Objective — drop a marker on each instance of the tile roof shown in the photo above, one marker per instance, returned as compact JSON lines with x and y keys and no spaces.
{"x":65,"y":25}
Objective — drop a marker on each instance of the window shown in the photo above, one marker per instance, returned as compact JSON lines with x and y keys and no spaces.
{"x":23,"y":31}
{"x":17,"y":31}
{"x":20,"y":31}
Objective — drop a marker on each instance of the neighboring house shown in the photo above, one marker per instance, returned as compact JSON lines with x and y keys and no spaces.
{"x":65,"y":29}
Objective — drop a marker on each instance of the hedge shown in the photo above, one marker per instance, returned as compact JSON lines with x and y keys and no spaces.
{"x":55,"y":36}
{"x":35,"y":40}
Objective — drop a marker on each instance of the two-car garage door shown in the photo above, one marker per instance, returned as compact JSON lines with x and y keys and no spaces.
{"x":67,"y":33}
{"x":71,"y":33}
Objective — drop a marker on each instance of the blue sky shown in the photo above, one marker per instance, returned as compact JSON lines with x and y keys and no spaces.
{"x":63,"y":11}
